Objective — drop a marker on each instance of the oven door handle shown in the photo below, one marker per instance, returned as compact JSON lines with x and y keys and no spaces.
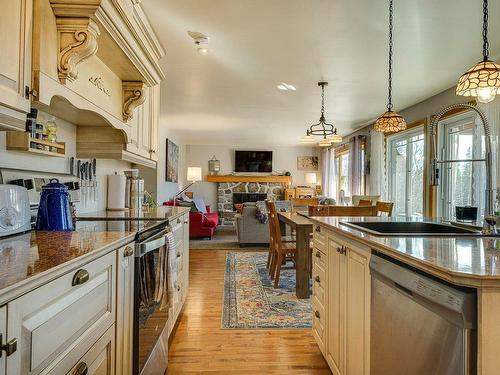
{"x":152,"y":243}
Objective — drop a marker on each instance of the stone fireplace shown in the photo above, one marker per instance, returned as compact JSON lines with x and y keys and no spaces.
{"x":227,"y":190}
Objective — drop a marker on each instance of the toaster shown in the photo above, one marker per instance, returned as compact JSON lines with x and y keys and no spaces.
{"x":15,"y":214}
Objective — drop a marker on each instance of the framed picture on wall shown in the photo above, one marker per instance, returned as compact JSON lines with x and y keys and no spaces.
{"x":172,"y":162}
{"x":307,"y":163}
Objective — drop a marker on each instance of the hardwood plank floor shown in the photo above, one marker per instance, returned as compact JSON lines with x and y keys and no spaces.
{"x":200,"y":346}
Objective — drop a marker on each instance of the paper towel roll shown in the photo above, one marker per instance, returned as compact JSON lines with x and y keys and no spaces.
{"x":116,"y":191}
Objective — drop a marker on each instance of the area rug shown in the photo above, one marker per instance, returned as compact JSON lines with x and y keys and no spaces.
{"x":251,"y":301}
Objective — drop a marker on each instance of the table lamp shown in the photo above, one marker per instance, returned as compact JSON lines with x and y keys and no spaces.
{"x":193,"y":175}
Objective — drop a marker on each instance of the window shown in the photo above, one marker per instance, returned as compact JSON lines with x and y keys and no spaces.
{"x":342,"y":172}
{"x":405,"y":170}
{"x":463,"y":183}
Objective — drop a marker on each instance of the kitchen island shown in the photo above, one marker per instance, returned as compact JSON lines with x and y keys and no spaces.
{"x":342,"y":291}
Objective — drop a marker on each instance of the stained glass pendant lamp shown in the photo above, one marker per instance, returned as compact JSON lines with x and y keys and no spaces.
{"x":483,"y":79}
{"x":390,"y":121}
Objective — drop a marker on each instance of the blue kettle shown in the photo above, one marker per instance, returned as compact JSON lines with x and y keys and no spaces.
{"x":54,"y":211}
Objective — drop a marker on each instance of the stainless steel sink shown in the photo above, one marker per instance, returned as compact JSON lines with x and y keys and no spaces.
{"x":411,"y":228}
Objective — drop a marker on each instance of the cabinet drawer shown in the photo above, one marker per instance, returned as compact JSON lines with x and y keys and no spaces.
{"x":319,"y":258}
{"x":319,"y":326}
{"x":319,"y":238}
{"x":178,"y":230}
{"x":66,"y":315}
{"x":319,"y":284}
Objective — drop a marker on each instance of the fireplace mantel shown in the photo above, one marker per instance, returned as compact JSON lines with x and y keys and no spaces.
{"x":287,"y":180}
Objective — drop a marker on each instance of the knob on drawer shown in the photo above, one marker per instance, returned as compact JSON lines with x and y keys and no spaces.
{"x":317,"y":279}
{"x":128,"y":252}
{"x":316,"y":314}
{"x":318,"y":254}
{"x":81,"y":277}
{"x":81,"y":369}
{"x":318,"y":229}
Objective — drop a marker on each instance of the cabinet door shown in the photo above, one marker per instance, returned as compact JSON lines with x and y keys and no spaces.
{"x":124,"y":309}
{"x":15,"y":64}
{"x":58,"y":322}
{"x":357,"y":310}
{"x":3,"y":332}
{"x":145,"y":126}
{"x":99,"y":359}
{"x":154,"y":119}
{"x":185,"y":257}
{"x":335,"y":303}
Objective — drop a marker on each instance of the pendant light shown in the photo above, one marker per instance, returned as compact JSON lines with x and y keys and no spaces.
{"x":483,"y":79}
{"x":390,"y":121}
{"x":327,"y":131}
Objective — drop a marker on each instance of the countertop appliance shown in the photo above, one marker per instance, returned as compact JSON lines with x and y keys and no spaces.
{"x":15,"y":215}
{"x":419,"y":325}
{"x":54,"y":210}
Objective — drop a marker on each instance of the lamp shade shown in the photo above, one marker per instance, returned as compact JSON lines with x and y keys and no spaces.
{"x":481,"y":81}
{"x":194,"y":174}
{"x":390,"y":122}
{"x":311,"y":178}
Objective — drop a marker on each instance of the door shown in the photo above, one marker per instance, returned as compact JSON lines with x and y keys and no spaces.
{"x":15,"y":64}
{"x":335,"y":297}
{"x":124,"y":309}
{"x":357,"y":311}
{"x":405,"y":165}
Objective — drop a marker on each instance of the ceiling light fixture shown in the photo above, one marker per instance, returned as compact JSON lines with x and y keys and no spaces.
{"x":286,"y":86}
{"x":483,"y":79}
{"x":390,"y":121}
{"x":327,"y":131}
{"x":200,"y":40}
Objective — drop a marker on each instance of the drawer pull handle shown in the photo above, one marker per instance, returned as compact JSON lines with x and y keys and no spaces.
{"x":9,"y":347}
{"x":178,"y":288}
{"x":81,"y":369}
{"x":318,"y":254}
{"x":317,"y":279}
{"x":178,"y":221}
{"x":178,"y":255}
{"x":128,"y":252}
{"x":81,"y":277}
{"x":316,"y":314}
{"x":186,"y":221}
{"x":339,"y":250}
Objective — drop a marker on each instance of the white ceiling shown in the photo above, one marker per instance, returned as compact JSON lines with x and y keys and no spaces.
{"x":230,"y":97}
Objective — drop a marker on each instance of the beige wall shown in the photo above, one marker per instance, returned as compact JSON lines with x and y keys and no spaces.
{"x":284,"y":159}
{"x":66,"y":132}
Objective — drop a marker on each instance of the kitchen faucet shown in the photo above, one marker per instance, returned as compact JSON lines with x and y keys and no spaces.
{"x":489,"y":217}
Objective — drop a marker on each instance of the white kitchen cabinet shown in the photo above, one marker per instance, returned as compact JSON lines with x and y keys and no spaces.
{"x":154,"y":110}
{"x":58,"y":322}
{"x":347,"y":308}
{"x":4,"y":338}
{"x":124,"y":309}
{"x":15,"y":64}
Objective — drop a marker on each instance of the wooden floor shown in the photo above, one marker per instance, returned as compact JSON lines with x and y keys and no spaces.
{"x":200,"y":346}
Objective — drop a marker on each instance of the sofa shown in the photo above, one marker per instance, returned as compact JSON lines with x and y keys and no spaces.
{"x":201,"y":224}
{"x":250,"y":231}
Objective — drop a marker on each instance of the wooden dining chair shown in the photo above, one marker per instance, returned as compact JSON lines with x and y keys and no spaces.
{"x":342,"y":211}
{"x":364,"y":202}
{"x":299,"y":204}
{"x":384,"y":207}
{"x":280,"y":250}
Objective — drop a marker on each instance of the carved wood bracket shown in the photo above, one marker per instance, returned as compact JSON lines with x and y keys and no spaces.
{"x":77,"y":34}
{"x":133,"y":93}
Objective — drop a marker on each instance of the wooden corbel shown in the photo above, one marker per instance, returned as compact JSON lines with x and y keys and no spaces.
{"x":76,"y":35}
{"x":133,"y":93}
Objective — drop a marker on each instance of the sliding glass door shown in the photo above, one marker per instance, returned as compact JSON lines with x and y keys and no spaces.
{"x":405,"y":171}
{"x":462,"y":182}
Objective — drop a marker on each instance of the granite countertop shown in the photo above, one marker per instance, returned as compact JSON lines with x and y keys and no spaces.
{"x":29,"y":257}
{"x":467,"y":261}
{"x":152,"y":213}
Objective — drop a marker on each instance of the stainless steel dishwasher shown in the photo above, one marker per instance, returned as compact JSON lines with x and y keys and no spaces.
{"x":418,"y":324}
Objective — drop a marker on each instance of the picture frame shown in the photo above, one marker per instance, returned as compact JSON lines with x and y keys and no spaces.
{"x":172,"y":162}
{"x":307,"y":163}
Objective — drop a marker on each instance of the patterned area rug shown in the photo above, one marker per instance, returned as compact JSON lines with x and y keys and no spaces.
{"x":251,"y":301}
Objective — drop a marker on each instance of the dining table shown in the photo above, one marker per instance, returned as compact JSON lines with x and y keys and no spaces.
{"x":303,"y":228}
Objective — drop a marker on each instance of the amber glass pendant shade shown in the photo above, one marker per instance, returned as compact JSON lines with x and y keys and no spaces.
{"x":390,"y":122}
{"x":481,"y":81}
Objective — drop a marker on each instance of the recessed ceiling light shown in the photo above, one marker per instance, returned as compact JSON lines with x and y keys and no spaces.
{"x":286,"y":87}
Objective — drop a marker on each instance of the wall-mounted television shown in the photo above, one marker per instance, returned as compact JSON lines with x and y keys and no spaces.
{"x":253,"y":161}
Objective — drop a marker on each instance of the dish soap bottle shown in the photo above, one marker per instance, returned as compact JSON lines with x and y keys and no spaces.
{"x":51,"y":129}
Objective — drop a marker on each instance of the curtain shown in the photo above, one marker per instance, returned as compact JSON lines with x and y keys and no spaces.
{"x":355,"y":144}
{"x":328,"y":173}
{"x":377,"y":182}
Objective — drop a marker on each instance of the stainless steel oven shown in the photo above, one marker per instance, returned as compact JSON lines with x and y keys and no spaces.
{"x":151,"y":301}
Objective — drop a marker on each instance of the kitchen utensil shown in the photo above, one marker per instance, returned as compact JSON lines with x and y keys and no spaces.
{"x":54,"y":210}
{"x":15,"y":216}
{"x":94,"y":171}
{"x":83,"y":183}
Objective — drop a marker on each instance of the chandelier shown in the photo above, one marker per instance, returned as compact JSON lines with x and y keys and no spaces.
{"x":326,"y":131}
{"x":390,"y":121}
{"x":483,"y":79}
